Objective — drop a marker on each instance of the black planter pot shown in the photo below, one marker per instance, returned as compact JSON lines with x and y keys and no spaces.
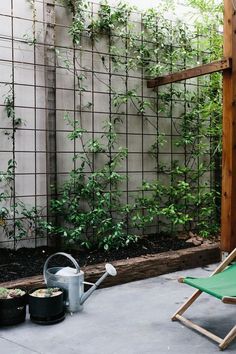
{"x":12,"y":311}
{"x":46,"y":310}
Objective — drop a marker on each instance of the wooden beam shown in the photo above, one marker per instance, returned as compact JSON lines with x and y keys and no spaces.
{"x":138,"y":268}
{"x":228,"y":206}
{"x":50,"y":99}
{"x":223,"y":64}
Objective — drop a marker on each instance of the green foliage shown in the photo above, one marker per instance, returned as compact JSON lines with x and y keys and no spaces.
{"x":89,"y":206}
{"x":78,"y":8}
{"x":15,"y":122}
{"x":186,"y":199}
{"x":110,"y":19}
{"x":207,"y":6}
{"x":87,"y":202}
{"x":179,"y":204}
{"x":3,"y":293}
{"x":16,"y":219}
{"x":10,"y":293}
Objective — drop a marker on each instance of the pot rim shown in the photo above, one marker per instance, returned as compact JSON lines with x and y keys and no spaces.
{"x":16,"y":297}
{"x":45,"y":287}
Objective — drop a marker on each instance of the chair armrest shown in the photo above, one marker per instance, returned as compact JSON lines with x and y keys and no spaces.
{"x":181,"y":279}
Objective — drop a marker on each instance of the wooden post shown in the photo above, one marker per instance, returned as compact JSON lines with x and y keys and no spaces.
{"x":50,"y":83}
{"x":228,"y":209}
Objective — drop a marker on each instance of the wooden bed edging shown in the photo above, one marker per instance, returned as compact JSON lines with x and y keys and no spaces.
{"x":138,"y":268}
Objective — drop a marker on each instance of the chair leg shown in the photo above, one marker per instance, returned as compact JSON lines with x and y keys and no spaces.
{"x":199,"y":329}
{"x":187,"y":304}
{"x":223,"y":343}
{"x":228,"y":338}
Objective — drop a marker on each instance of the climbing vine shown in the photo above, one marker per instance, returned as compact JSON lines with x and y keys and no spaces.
{"x":185,"y":193}
{"x":89,"y":202}
{"x":189,"y":198}
{"x":17,"y":220}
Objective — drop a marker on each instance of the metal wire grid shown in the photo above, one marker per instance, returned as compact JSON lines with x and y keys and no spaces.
{"x":134,"y":165}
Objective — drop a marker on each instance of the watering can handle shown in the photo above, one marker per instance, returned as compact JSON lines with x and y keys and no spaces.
{"x":61,"y":254}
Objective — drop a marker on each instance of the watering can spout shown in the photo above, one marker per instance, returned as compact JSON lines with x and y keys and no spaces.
{"x":110,"y":270}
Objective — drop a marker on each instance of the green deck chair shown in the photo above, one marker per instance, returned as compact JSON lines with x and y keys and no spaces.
{"x":222,"y":285}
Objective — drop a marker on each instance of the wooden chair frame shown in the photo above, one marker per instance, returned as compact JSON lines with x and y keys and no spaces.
{"x":223,"y":342}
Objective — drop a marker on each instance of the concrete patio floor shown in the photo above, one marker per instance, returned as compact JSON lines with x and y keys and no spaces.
{"x":132,"y":318}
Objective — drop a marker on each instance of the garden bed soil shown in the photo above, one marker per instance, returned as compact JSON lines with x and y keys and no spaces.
{"x":26,"y":262}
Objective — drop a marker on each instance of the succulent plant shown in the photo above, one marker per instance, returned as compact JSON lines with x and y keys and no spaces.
{"x":3,"y":293}
{"x":46,"y":292}
{"x":16,"y":292}
{"x":10,"y":293}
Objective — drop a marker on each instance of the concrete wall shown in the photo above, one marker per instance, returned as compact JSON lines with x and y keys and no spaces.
{"x":23,"y":64}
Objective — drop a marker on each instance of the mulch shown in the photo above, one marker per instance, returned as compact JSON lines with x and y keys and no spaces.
{"x":25,"y":262}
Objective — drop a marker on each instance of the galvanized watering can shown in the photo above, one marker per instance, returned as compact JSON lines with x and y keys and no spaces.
{"x":72,"y":281}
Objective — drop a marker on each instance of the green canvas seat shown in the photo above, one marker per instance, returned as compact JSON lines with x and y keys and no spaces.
{"x":219,"y":285}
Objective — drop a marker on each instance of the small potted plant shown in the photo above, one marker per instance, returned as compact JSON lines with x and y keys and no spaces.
{"x":46,"y":305}
{"x":12,"y":306}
